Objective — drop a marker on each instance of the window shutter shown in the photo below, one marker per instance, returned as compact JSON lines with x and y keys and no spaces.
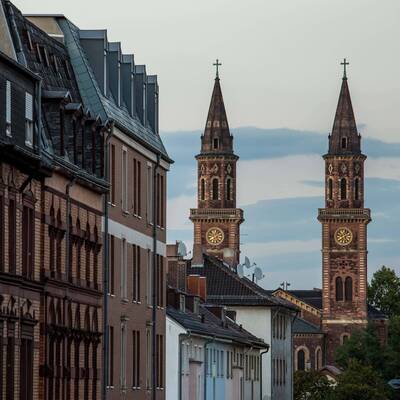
{"x":8,"y":102}
{"x":28,"y":107}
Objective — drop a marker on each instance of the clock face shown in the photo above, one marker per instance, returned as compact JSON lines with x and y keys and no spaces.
{"x":343,"y":236}
{"x":215,"y":236}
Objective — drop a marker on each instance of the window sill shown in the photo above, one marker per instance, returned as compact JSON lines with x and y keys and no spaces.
{"x":111,"y":204}
{"x":136,"y":302}
{"x":124,"y":300}
{"x":111,"y":294}
{"x":125,"y":212}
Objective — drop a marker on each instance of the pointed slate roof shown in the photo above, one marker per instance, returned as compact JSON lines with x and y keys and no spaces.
{"x":344,"y":138}
{"x":217,"y":124}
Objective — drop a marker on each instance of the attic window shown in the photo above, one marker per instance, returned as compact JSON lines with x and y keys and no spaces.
{"x":55,"y":62}
{"x":29,"y":39}
{"x":66,"y":70}
{"x":182,"y":304}
{"x":344,"y":143}
{"x":215,"y":143}
{"x":46,"y":56}
{"x":196,"y":303}
{"x":38,"y":53}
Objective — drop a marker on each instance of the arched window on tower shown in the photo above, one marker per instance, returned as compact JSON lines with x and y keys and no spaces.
{"x":356,"y":189}
{"x":318,"y":359}
{"x":344,"y":142}
{"x":343,"y":189}
{"x":215,"y":187}
{"x":348,"y":289}
{"x":339,"y":288}
{"x":229,"y":189}
{"x":301,"y":360}
{"x":330,"y":189}
{"x":202,"y":189}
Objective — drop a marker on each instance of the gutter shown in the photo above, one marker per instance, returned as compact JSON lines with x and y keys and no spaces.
{"x":106,"y":265}
{"x":154,"y":284}
{"x":261,"y":371}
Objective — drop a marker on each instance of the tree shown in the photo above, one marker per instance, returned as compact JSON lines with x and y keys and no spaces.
{"x":364,"y":347}
{"x":361,"y":382}
{"x":311,"y":385}
{"x":384,"y":291}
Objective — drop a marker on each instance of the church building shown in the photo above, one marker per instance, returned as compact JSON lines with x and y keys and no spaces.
{"x":329,"y":316}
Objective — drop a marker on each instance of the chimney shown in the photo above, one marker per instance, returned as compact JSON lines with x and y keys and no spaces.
{"x":95,"y":44}
{"x":141,"y":93}
{"x":114,"y":71}
{"x":128,"y":83}
{"x":203,"y":288}
{"x":152,"y":102}
{"x":193,"y":285}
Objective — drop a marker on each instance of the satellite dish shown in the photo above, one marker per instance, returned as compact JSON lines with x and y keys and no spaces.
{"x":247,"y":262}
{"x":182,"y":250}
{"x":240,"y":271}
{"x":258,"y":273}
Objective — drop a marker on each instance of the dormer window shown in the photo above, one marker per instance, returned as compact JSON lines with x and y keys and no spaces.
{"x":216,"y":143}
{"x":28,"y":120}
{"x":344,"y":143}
{"x":182,"y":302}
{"x":8,"y":108}
{"x":196,"y":304}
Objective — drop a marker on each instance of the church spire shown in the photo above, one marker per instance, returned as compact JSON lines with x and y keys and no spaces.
{"x":344,"y":138}
{"x":217,"y":137}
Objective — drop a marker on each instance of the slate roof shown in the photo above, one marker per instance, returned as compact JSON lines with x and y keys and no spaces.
{"x":302,"y":326}
{"x":94,"y":99}
{"x":224,"y":286}
{"x":211,"y":325}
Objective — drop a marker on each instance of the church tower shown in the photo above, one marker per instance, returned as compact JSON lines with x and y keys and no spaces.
{"x":344,"y":229}
{"x":216,"y":219}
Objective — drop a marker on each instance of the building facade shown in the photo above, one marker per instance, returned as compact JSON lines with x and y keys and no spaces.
{"x":54,"y":222}
{"x":216,"y":219}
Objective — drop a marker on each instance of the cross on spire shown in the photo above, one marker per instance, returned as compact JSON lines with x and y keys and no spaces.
{"x":217,"y":64}
{"x":344,"y":63}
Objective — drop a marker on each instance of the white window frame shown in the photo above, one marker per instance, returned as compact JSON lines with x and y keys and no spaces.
{"x":124,"y":191}
{"x":28,"y":119}
{"x":124,"y":270}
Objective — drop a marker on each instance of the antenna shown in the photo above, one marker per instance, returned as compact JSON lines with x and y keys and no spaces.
{"x":258,"y":273}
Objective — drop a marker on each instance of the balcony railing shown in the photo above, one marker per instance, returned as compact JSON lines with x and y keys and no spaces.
{"x":364,"y":213}
{"x":216,"y":212}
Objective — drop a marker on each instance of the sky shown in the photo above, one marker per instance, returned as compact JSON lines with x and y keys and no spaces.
{"x":280,"y":78}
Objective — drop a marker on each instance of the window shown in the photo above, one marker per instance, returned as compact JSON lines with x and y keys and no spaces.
{"x":8,"y":108}
{"x":136,"y":359}
{"x":318,"y":359}
{"x":1,"y":359}
{"x":149,"y":195}
{"x":330,"y":189}
{"x":124,"y":270}
{"x":356,"y":189}
{"x":10,"y":360}
{"x":343,"y":189}
{"x":111,"y":270}
{"x":137,"y":167}
{"x":215,"y":184}
{"x":215,"y":143}
{"x":348,"y":289}
{"x":229,"y":189}
{"x":301,"y":360}
{"x":202,"y":189}
{"x":160,"y":361}
{"x":28,"y":120}
{"x":136,"y":273}
{"x":111,"y":356}
{"x":344,"y":338}
{"x":112,"y":174}
{"x":124,"y":193}
{"x":26,"y":369}
{"x":148,"y":358}
{"x":123,"y":355}
{"x":28,"y":240}
{"x":344,"y":142}
{"x":339,"y":288}
{"x":12,"y":221}
{"x":160,"y":281}
{"x":149,"y":279}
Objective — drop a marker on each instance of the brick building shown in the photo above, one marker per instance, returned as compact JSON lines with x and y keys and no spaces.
{"x":329,"y":316}
{"x":54,"y":194}
{"x":122,"y":93}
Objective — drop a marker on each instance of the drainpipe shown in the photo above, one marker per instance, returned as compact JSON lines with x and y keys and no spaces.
{"x":182,"y":337}
{"x":205,"y":364}
{"x":261,"y":371}
{"x":39,"y":118}
{"x":292,"y":354}
{"x":105,"y":264}
{"x":154,"y":283}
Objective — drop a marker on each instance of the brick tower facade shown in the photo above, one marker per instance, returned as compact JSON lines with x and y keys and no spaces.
{"x":344,"y":230}
{"x":216,"y":219}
